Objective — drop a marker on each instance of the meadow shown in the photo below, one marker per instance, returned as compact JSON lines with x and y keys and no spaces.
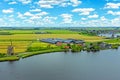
{"x":44,"y":30}
{"x":30,"y":37}
{"x":19,"y":46}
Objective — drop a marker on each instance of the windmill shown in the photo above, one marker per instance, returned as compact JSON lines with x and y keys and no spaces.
{"x":10,"y":49}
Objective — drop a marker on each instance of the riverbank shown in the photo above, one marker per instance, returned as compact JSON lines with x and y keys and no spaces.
{"x":28,"y":54}
{"x":9,"y":58}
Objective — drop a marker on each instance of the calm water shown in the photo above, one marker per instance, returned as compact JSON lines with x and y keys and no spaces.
{"x":103,"y":65}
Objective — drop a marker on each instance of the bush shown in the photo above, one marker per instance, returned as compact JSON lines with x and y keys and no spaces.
{"x":2,"y":55}
{"x":115,"y":46}
{"x":76,"y":48}
{"x":93,"y":47}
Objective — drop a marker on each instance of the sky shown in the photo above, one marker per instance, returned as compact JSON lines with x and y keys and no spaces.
{"x":59,"y":13}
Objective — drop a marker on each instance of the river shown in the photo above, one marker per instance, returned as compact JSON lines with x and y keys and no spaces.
{"x":102,"y":65}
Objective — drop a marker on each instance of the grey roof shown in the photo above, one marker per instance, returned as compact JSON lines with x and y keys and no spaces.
{"x":53,"y":41}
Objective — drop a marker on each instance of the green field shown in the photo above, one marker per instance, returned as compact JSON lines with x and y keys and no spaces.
{"x":19,"y":46}
{"x":29,"y":37}
{"x":33,"y":31}
{"x":113,"y":41}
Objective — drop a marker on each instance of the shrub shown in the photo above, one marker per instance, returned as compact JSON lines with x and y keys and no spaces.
{"x":115,"y":46}
{"x":2,"y":55}
{"x":76,"y":48}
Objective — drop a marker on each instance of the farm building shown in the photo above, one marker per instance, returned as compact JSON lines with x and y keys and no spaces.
{"x":57,"y":40}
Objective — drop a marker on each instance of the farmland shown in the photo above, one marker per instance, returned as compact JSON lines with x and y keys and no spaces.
{"x":19,"y":46}
{"x":29,"y":37}
{"x":22,"y":39}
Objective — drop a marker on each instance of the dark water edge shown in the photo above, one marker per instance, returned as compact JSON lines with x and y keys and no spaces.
{"x":103,"y":65}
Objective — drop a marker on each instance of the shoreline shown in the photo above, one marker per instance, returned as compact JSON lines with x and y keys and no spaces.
{"x":28,"y":54}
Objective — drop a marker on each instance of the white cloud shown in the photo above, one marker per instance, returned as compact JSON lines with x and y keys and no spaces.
{"x":1,"y":20}
{"x":102,"y":22}
{"x":112,"y":6}
{"x":49,"y":20}
{"x":103,"y":18}
{"x":83,"y":18}
{"x":83,"y":11}
{"x":35,"y":17}
{"x":10,"y":10}
{"x":35,"y":10}
{"x":42,"y":13}
{"x":28,"y":14}
{"x":111,"y":0}
{"x":63,"y":3}
{"x":75,"y":2}
{"x":93,"y":16}
{"x":46,"y":6}
{"x":48,"y":3}
{"x":44,"y":21}
{"x":38,"y":15}
{"x":116,"y":22}
{"x":14,"y":2}
{"x":21,"y":16}
{"x":67,"y":18}
{"x":11,"y":16}
{"x":28,"y":21}
{"x":25,"y":1}
{"x":113,"y":13}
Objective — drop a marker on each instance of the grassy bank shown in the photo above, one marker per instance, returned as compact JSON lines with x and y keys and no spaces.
{"x":9,"y":58}
{"x":28,"y":54}
{"x":113,"y":41}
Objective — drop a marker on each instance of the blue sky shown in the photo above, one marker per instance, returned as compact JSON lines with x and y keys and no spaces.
{"x":59,"y":13}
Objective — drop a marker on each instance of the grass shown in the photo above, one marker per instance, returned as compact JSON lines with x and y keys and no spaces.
{"x":33,"y":31}
{"x":9,"y":58}
{"x":113,"y":41}
{"x":29,"y":37}
{"x":19,"y":46}
{"x":37,"y":46}
{"x":28,"y":54}
{"x":41,"y":44}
